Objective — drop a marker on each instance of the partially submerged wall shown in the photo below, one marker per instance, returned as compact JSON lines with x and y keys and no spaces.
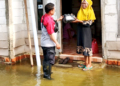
{"x":20,"y":36}
{"x":19,"y":26}
{"x":13,"y":28}
{"x":4,"y":42}
{"x":112,"y":42}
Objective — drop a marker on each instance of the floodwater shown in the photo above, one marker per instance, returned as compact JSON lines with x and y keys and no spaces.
{"x":22,"y":74}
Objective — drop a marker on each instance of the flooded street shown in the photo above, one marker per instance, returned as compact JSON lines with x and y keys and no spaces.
{"x":22,"y":74}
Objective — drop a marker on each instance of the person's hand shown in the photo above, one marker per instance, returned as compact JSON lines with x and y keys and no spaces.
{"x":78,"y":20}
{"x":58,"y":46}
{"x":61,"y":17}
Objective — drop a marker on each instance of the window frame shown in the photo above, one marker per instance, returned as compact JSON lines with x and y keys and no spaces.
{"x":39,"y":30}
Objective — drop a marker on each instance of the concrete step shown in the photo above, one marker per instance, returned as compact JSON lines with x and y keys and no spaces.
{"x":95,"y":57}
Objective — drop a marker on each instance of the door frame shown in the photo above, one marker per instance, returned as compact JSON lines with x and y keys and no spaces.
{"x":102,"y":28}
{"x":104,"y":55}
{"x":61,"y":51}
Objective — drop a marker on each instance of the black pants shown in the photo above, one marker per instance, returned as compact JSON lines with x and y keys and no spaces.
{"x":49,"y":55}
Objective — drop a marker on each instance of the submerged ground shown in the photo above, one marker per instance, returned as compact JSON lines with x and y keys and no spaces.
{"x":22,"y":74}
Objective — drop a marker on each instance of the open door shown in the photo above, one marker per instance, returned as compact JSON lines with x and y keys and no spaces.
{"x":69,"y":41}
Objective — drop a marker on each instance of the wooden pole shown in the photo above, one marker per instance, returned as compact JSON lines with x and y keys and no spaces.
{"x":28,"y":30}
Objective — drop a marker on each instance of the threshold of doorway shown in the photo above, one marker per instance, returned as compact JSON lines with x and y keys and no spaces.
{"x":95,"y":58}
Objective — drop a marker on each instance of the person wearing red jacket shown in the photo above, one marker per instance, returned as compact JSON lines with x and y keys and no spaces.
{"x":48,"y":39}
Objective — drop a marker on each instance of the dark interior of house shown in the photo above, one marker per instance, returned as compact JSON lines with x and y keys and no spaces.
{"x":73,"y":6}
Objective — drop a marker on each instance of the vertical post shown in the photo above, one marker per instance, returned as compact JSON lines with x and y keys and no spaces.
{"x":118,"y":11}
{"x":28,"y":30}
{"x":34,"y":27}
{"x":104,"y":51}
{"x":10,"y":30}
{"x":60,"y":27}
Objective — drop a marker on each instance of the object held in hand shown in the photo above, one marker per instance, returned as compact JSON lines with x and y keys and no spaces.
{"x":86,"y":23}
{"x":56,"y":27}
{"x":68,"y":18}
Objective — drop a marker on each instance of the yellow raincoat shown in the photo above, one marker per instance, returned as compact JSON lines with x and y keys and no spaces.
{"x":86,"y":14}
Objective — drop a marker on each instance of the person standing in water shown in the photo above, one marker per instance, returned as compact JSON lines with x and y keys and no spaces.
{"x":48,"y":39}
{"x":84,"y":36}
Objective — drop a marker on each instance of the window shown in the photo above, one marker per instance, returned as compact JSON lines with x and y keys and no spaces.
{"x":118,"y":18}
{"x":40,"y":12}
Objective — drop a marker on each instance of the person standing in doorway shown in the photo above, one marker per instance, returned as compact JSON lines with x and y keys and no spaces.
{"x":48,"y":39}
{"x":84,"y":36}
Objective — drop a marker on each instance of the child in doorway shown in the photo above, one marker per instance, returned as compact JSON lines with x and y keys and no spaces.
{"x":68,"y":31}
{"x":48,"y":39}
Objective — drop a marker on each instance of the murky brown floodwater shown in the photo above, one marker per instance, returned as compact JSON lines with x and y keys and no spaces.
{"x":23,"y":75}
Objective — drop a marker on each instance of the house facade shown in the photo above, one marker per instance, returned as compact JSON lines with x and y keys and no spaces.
{"x":14,"y":43}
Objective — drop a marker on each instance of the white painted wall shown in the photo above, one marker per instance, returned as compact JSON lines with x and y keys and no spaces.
{"x":20,"y":42}
{"x":19,"y":26}
{"x":109,"y":25}
{"x":111,"y":20}
{"x":112,"y":41}
{"x":4,"y":44}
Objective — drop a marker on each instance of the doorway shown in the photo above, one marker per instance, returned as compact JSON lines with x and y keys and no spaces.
{"x":70,"y":42}
{"x":39,"y":12}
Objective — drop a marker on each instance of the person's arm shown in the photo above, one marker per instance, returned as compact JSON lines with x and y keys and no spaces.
{"x":50,"y":30}
{"x":59,"y":19}
{"x":55,"y":41}
{"x":77,"y":21}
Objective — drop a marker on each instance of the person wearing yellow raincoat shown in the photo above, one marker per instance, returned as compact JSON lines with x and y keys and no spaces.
{"x":85,"y":18}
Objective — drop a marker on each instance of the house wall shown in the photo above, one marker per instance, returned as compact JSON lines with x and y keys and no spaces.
{"x":14,"y":37}
{"x":110,"y":41}
{"x":20,"y":36}
{"x":20,"y":42}
{"x":110,"y":27}
{"x":4,"y":42}
{"x":19,"y":26}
